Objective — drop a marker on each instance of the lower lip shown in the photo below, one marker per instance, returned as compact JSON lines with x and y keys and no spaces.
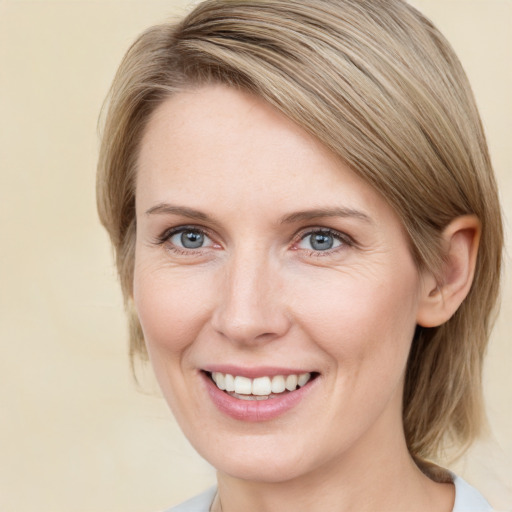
{"x":255,"y":410}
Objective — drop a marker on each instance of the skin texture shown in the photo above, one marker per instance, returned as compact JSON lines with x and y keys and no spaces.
{"x":256,"y":294}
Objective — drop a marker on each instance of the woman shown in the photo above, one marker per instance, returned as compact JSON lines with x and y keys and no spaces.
{"x":308,"y":237}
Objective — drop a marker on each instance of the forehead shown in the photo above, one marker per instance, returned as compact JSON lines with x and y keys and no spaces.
{"x":218,"y":147}
{"x":223,"y":126}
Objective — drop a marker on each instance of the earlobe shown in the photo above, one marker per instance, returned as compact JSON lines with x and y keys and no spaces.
{"x":442,"y":296}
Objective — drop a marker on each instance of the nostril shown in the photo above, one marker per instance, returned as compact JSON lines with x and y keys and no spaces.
{"x":249,"y":333}
{"x":264,"y":336}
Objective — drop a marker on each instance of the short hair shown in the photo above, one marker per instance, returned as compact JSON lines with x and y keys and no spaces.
{"x":376,"y":83}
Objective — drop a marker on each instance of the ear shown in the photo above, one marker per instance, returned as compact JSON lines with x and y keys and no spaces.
{"x":442,"y":295}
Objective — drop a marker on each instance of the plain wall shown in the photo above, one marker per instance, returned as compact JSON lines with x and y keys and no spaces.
{"x":75,"y":432}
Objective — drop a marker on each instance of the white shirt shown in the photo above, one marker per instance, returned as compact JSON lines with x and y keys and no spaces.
{"x":467,"y":499}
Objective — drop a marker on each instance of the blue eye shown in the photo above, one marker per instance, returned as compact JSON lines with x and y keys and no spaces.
{"x":319,"y":241}
{"x":189,"y":239}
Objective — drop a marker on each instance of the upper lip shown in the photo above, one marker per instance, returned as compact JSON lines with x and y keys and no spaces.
{"x":254,"y":372}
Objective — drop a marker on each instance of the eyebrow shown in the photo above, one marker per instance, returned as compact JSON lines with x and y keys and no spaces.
{"x":166,"y":208}
{"x":316,"y":213}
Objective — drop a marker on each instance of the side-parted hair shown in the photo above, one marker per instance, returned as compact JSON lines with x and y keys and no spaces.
{"x":375,"y":82}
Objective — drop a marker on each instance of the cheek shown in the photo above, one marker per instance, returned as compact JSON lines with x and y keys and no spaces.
{"x":362,"y":322}
{"x":171,"y":307}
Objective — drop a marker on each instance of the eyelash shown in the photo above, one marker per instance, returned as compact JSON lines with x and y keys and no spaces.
{"x":169,"y":233}
{"x":345,"y":240}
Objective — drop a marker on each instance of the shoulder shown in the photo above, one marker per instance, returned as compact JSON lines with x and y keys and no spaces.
{"x":467,"y":498}
{"x":199,"y":503}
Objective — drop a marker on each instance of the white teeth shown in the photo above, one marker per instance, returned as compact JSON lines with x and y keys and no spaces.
{"x":230,"y":383}
{"x":291,"y":382}
{"x":219,"y":380}
{"x":303,"y":379}
{"x":278,"y":385}
{"x":250,"y":397}
{"x":243,"y":385}
{"x":260,"y":387}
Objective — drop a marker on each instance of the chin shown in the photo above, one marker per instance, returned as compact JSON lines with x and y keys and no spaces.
{"x":275,"y":462}
{"x":262,"y":471}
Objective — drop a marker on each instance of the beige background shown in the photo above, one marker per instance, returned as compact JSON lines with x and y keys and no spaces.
{"x":75,"y":433}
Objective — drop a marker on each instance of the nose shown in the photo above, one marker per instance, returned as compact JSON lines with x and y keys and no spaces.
{"x":251,"y":307}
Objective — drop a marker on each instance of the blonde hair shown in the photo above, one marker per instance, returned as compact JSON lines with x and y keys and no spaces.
{"x":377,"y":83}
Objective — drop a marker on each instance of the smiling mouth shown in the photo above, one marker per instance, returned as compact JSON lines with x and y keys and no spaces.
{"x":260,"y":388}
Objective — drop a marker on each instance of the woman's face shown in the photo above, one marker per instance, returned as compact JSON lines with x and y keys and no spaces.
{"x":260,"y":258}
